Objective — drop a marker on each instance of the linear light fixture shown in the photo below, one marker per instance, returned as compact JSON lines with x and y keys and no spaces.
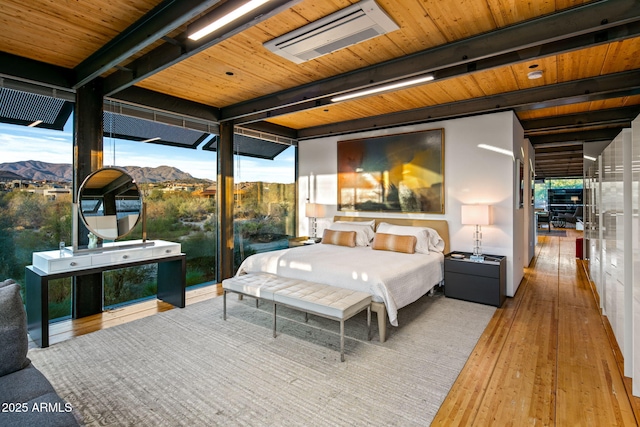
{"x":34,"y":124}
{"x":384,"y":88}
{"x":157,"y":138}
{"x":593,"y":159}
{"x":229,"y":17}
{"x":496,"y":149}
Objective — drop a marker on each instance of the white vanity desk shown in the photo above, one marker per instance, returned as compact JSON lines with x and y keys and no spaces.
{"x":58,"y":264}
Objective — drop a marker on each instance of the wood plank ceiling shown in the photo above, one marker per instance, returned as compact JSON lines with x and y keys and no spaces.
{"x":479,"y":52}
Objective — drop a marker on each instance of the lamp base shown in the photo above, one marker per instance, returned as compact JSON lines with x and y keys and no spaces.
{"x":477,"y":258}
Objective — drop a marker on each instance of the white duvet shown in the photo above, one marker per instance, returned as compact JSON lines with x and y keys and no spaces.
{"x":397,"y":279}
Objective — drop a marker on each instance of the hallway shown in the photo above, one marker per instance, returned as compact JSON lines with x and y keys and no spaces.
{"x":545,"y":357}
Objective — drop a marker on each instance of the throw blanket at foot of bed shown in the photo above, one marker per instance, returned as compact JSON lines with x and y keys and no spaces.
{"x":314,"y":298}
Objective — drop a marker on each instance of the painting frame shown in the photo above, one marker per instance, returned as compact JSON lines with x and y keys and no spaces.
{"x":519,"y":184}
{"x":397,"y":173}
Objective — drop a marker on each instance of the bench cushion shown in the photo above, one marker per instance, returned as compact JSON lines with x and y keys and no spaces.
{"x":337,"y":303}
{"x":257,"y":285}
{"x":315,"y":298}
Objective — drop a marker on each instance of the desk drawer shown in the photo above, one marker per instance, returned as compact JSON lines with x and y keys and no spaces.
{"x":166,"y":250}
{"x":69,"y":264}
{"x":116,"y":257}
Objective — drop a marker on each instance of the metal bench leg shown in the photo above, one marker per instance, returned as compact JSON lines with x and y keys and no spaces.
{"x":306,"y":317}
{"x":224,"y":305}
{"x":342,"y":340}
{"x":274,"y":319}
{"x":369,"y":323}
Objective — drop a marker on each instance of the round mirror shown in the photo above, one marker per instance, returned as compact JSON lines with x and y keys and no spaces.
{"x":110,"y":203}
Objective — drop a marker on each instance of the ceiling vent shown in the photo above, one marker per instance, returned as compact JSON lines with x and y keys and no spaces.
{"x":353,"y":24}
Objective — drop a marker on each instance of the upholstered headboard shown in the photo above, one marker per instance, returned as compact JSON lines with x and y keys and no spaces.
{"x":440,"y":225}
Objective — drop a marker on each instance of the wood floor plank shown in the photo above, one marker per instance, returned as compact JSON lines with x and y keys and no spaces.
{"x":522,"y":387}
{"x":591,"y":391}
{"x":465,"y":397}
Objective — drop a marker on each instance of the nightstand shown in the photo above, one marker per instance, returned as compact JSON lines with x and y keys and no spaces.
{"x":481,"y":282}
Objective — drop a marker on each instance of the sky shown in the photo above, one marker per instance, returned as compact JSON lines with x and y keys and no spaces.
{"x":21,"y":143}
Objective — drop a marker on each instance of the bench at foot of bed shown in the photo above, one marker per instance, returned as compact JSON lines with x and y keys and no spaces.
{"x":312,"y":298}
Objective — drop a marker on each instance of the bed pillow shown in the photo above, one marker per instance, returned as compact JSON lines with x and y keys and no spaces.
{"x":421,"y":234}
{"x":340,"y":238}
{"x":394,"y":243}
{"x":364,"y":232}
{"x":436,"y":243}
{"x":371,"y":223}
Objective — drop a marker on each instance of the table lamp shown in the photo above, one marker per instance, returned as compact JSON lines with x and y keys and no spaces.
{"x":477,"y":215}
{"x":314,"y":211}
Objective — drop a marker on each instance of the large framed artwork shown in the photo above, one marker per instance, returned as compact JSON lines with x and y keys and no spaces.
{"x":393,"y":173}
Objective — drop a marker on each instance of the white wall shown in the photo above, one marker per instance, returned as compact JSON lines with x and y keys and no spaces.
{"x":472,"y":175}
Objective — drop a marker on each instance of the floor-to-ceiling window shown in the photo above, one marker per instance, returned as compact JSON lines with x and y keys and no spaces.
{"x":35,"y":201}
{"x":176,"y":174}
{"x":264,"y":210}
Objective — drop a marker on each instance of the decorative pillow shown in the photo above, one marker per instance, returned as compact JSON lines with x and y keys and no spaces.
{"x":14,"y":343}
{"x":394,"y":242}
{"x":364,"y":232}
{"x":340,"y":238}
{"x":421,"y":234}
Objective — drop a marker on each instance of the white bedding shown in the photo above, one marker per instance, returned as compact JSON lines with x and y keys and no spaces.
{"x":397,"y":279}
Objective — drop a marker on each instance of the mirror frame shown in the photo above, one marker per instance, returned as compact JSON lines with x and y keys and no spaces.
{"x":124,"y":179}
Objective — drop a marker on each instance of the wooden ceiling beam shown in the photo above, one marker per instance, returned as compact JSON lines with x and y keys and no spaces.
{"x":544,"y":154}
{"x":160,"y":21}
{"x":167,"y":103}
{"x":578,"y":136}
{"x":182,"y":48}
{"x":613,"y":116}
{"x":596,"y":88}
{"x":571,"y":29}
{"x":36,"y":72}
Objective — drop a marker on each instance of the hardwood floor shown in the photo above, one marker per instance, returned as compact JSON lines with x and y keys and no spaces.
{"x":546,"y":358}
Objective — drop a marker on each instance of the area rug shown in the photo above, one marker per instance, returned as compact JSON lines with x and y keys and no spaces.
{"x":189,"y":367}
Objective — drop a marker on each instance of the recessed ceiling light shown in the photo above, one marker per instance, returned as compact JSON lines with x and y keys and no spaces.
{"x":534,"y":75}
{"x":34,"y":124}
{"x":226,"y":19}
{"x":384,"y":88}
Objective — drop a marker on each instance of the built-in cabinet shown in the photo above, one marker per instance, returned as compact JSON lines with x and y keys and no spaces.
{"x":612,"y":231}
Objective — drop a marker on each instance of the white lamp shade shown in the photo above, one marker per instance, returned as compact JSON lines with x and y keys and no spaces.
{"x":476,"y":214}
{"x":314,"y":210}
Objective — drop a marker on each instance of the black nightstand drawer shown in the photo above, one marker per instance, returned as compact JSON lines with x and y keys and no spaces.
{"x":472,"y":288}
{"x":474,"y":268}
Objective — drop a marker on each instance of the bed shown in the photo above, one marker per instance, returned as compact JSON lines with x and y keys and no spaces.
{"x":394,"y":279}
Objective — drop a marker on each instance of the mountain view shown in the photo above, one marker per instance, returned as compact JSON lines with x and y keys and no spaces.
{"x":34,"y":170}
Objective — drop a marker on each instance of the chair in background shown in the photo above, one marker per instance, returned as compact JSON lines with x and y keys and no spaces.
{"x":574,"y":217}
{"x":542,"y":218}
